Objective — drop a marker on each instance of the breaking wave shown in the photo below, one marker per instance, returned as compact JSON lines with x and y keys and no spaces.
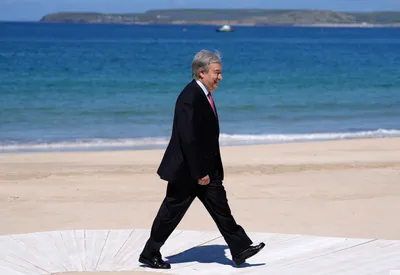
{"x":161,"y":142}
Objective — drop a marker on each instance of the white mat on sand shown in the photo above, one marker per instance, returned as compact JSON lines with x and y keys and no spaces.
{"x":194,"y":252}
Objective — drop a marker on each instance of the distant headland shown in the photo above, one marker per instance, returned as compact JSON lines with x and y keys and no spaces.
{"x":238,"y":17}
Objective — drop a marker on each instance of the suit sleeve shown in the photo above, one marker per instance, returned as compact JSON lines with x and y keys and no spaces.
{"x":186,"y":121}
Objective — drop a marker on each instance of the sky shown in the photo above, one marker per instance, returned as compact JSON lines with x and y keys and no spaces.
{"x":33,"y":10}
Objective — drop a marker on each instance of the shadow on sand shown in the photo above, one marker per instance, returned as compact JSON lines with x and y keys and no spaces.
{"x":206,"y":254}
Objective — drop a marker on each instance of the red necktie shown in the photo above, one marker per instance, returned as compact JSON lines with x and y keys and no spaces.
{"x":211,"y":102}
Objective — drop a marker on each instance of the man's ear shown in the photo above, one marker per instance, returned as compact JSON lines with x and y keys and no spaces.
{"x":201,"y":74}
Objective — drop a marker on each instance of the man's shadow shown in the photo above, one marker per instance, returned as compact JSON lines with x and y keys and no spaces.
{"x":206,"y":254}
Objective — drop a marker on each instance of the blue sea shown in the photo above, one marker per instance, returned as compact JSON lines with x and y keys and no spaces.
{"x":106,"y":87}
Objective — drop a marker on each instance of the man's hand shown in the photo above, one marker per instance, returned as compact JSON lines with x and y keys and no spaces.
{"x":204,"y":181}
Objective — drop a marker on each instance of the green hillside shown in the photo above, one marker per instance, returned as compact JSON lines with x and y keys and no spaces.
{"x":232,"y":16}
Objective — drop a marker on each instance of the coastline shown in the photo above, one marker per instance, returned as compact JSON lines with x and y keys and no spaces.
{"x":231,"y":23}
{"x":160,"y":143}
{"x":235,"y":17}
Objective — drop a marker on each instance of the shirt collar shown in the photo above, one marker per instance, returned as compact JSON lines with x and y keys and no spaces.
{"x":202,"y":87}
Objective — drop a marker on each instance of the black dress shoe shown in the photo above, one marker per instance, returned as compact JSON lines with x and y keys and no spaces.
{"x":247,"y":253}
{"x":155,"y":262}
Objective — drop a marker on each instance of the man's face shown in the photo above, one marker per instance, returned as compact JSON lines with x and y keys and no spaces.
{"x":212,"y":77}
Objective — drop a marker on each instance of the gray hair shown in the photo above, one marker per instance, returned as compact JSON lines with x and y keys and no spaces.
{"x":202,"y":61}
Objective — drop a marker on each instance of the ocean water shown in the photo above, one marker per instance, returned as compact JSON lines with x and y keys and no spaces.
{"x":91,"y":87}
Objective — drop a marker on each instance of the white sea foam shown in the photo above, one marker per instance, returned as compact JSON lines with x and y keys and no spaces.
{"x":161,"y":142}
{"x":274,"y":138}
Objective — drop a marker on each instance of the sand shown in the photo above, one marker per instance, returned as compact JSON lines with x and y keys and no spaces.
{"x":348,"y":188}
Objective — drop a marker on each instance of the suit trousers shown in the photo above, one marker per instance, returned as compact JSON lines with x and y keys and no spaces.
{"x":179,"y":196}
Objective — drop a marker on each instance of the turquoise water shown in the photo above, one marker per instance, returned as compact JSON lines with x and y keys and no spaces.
{"x":76,"y":86}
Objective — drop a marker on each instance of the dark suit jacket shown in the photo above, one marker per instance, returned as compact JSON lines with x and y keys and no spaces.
{"x":193,"y":148}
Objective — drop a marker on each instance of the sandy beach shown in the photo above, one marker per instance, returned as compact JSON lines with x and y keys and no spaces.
{"x":346,"y":188}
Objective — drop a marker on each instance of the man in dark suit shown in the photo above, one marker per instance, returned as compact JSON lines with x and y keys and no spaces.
{"x":193,"y":168}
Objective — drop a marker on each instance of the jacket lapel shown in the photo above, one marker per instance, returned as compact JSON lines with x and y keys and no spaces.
{"x":205,"y":101}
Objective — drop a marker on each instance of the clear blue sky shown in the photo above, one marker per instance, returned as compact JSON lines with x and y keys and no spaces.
{"x":33,"y":10}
